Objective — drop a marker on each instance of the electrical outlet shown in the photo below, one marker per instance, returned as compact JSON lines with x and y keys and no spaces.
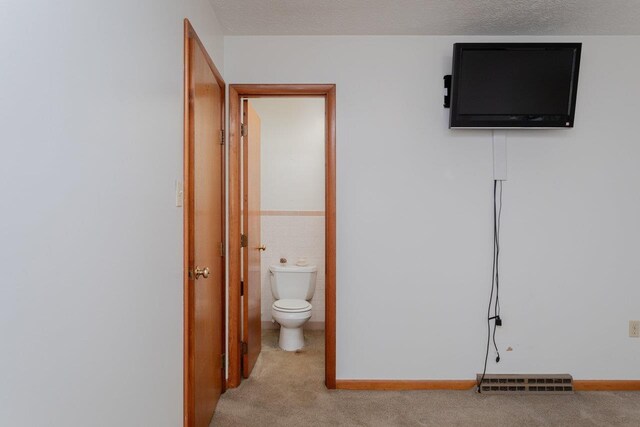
{"x":634,"y":328}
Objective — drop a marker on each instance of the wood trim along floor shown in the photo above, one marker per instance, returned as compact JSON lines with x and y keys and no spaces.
{"x":606,"y":385}
{"x":579,"y":385}
{"x":405,"y":384}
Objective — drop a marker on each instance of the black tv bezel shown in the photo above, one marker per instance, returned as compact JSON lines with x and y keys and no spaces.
{"x":457,"y":121}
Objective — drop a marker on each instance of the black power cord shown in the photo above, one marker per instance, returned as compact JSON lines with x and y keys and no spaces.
{"x":495,"y":281}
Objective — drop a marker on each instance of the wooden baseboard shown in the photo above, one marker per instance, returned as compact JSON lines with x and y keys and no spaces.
{"x":606,"y":385}
{"x":579,"y":385}
{"x":405,"y":384}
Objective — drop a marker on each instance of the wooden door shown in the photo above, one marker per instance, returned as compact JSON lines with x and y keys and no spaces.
{"x":204,"y":234}
{"x":252,"y":323}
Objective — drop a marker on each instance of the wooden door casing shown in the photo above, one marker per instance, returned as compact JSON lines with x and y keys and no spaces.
{"x":236,"y":93}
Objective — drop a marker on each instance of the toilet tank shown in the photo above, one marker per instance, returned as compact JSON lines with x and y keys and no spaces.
{"x":293,"y":282}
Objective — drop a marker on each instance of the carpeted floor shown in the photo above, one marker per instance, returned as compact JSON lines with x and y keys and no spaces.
{"x":286,"y":389}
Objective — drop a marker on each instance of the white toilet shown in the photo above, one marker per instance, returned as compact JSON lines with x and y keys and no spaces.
{"x":292,"y":288}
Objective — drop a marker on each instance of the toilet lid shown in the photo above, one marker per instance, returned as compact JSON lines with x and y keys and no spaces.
{"x":292,"y":305}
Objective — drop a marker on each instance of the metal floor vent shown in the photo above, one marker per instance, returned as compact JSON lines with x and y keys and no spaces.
{"x":526,"y":384}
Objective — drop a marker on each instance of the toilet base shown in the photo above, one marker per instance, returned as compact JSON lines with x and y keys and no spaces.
{"x":291,"y":339}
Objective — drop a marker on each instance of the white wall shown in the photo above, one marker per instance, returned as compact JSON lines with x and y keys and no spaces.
{"x":414,"y":212}
{"x":90,"y":238}
{"x":292,"y":190}
{"x":292,"y":153}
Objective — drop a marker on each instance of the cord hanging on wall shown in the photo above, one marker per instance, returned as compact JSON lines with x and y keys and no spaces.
{"x":494,"y":296}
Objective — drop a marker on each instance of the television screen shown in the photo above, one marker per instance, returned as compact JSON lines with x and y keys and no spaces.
{"x":514,"y":85}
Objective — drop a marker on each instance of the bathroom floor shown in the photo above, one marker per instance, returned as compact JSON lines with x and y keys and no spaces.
{"x":287,"y":389}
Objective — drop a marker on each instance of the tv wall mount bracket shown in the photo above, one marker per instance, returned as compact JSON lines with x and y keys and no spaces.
{"x":447,"y":96}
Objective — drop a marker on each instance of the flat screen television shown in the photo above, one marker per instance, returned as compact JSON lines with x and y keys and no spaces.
{"x":514,"y":85}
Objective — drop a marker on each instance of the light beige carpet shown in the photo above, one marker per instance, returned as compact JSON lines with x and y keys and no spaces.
{"x":286,"y":389}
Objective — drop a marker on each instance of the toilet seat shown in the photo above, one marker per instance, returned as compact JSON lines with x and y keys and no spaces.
{"x":291,"y":305}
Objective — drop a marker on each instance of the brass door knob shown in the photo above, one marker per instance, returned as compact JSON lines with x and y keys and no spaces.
{"x":262,"y":248}
{"x":201,"y":272}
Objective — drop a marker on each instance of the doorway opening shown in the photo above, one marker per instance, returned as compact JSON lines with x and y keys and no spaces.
{"x":282,"y":210}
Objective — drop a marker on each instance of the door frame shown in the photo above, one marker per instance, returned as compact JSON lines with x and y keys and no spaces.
{"x":236,"y":93}
{"x":190,"y":37}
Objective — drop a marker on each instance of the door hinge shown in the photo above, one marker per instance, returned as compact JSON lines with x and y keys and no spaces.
{"x":245,"y":348}
{"x":241,"y":287}
{"x":221,"y":248}
{"x":243,"y":130}
{"x":244,"y":240}
{"x":222,"y":137}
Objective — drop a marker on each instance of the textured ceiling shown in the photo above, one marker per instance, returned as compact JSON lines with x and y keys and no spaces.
{"x":429,"y":17}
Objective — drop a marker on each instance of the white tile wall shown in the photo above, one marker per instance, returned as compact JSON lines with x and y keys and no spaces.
{"x":292,"y":237}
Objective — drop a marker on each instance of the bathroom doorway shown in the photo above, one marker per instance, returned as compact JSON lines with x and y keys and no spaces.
{"x":282,"y":206}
